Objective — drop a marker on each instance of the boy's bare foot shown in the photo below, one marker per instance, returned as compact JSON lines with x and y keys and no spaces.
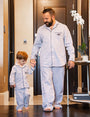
{"x":26,"y":108}
{"x":19,"y":110}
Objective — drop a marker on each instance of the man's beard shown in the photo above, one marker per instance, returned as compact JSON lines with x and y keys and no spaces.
{"x":48,"y":24}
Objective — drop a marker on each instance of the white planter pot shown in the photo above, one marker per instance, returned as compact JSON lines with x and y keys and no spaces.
{"x":84,"y":57}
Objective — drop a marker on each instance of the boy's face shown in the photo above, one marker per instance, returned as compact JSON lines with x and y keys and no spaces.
{"x":22,"y":62}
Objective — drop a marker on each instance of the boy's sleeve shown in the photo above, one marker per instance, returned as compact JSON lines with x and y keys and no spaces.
{"x":30,"y":70}
{"x":12,"y":76}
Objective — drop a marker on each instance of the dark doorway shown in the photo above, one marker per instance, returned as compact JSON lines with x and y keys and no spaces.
{"x":11,"y":43}
{"x":62,"y":9}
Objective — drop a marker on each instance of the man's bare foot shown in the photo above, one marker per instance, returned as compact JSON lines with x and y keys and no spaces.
{"x":48,"y":109}
{"x":57,"y":108}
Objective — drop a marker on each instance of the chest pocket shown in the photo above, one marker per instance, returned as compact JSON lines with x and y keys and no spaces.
{"x":26,"y":71}
{"x":58,"y":35}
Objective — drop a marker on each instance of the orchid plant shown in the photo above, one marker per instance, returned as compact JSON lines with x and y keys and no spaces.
{"x":78,"y":18}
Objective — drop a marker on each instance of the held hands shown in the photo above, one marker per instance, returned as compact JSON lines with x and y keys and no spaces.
{"x":71,"y":64}
{"x":13,"y":86}
{"x":33,"y":62}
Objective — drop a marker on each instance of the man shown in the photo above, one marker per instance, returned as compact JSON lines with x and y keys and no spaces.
{"x":52,"y":37}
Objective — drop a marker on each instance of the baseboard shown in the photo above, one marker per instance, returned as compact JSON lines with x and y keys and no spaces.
{"x":4,"y":98}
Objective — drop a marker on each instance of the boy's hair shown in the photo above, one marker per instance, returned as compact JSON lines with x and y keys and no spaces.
{"x":50,"y":10}
{"x":21,"y":55}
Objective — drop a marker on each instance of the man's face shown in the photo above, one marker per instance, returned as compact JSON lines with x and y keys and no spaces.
{"x":48,"y":20}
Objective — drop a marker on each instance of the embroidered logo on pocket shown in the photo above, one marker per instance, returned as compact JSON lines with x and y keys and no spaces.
{"x":58,"y":33}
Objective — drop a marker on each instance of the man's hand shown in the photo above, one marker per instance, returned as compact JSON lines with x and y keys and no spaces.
{"x":33,"y":62}
{"x":71,"y":64}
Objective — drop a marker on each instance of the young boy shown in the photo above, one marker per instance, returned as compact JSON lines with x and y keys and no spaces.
{"x":18,"y":80}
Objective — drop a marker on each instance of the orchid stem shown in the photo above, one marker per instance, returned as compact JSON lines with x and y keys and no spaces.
{"x":82,"y":33}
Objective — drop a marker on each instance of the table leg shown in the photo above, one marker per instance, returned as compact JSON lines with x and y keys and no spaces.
{"x":67,"y":88}
{"x":88,"y":79}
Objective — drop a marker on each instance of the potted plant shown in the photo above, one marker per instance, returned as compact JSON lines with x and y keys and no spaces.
{"x":83,"y":47}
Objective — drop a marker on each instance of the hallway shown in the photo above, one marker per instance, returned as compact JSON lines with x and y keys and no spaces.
{"x":19,"y":22}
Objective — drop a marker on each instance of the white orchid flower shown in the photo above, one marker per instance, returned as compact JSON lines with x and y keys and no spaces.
{"x":73,"y":12}
{"x":77,"y":17}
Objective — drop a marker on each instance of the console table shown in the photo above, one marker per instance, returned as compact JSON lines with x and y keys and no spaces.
{"x":88,"y":86}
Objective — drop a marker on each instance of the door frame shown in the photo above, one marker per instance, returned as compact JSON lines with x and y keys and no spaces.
{"x":11,"y":43}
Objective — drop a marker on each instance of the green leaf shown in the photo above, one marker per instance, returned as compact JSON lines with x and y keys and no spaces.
{"x":82,"y":48}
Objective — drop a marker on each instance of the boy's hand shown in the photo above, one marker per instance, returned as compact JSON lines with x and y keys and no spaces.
{"x":13,"y":86}
{"x":33,"y":62}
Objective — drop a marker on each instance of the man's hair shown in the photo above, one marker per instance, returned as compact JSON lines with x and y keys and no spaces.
{"x":50,"y":10}
{"x":21,"y":55}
